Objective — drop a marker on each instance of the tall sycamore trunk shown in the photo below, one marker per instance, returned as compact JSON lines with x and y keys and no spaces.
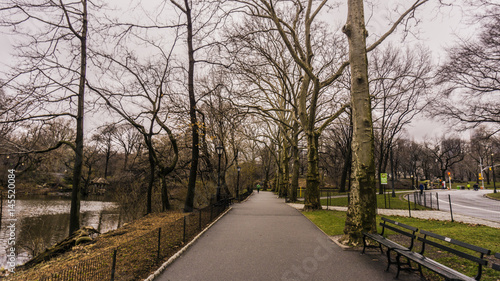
{"x":152,"y":173}
{"x":74,"y":215}
{"x":362,"y":208}
{"x":311,"y":200}
{"x":285,"y":159}
{"x":195,"y":150}
{"x":295,"y":164}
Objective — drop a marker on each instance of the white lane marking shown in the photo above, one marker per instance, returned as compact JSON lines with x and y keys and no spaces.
{"x":474,"y":208}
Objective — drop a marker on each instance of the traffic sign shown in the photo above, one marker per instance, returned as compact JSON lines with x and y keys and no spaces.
{"x":383,"y":178}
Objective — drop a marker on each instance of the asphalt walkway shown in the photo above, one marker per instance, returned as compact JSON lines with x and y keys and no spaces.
{"x":265,"y":239}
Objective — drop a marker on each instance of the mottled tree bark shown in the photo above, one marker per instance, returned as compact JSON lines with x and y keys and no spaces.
{"x":362,"y":208}
{"x":74,"y":215}
{"x":311,"y":197}
{"x":195,"y":150}
{"x":296,"y":163}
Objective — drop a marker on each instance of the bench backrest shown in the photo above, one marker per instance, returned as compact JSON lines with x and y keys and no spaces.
{"x":444,"y":246}
{"x":401,"y":228}
{"x":496,"y":266}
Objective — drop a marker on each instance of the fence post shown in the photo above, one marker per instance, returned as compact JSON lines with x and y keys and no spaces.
{"x":425,"y":200}
{"x":159,"y":243}
{"x":113,"y":266}
{"x":184,"y":231}
{"x":199,"y":219}
{"x":409,"y":205}
{"x":451,"y":211}
{"x":385,"y":200}
{"x":327,"y":200}
{"x":437,"y":200}
{"x":1,"y":208}
{"x":430,"y":196}
{"x":389,"y":199}
{"x":414,"y":200}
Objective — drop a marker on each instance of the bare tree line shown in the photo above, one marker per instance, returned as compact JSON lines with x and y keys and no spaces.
{"x":265,"y":80}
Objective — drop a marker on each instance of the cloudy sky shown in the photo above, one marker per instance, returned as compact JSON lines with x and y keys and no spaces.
{"x":438,"y":28}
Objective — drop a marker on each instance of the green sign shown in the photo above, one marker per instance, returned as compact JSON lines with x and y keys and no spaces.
{"x":383,"y":178}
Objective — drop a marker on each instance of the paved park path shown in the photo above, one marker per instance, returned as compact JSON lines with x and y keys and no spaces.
{"x":265,"y":239}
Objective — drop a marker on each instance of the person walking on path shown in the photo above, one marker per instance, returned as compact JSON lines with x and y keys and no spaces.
{"x":258,"y":188}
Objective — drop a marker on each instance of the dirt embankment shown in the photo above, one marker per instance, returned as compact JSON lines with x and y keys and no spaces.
{"x":100,"y":244}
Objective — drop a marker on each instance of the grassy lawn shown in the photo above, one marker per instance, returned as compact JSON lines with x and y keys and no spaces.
{"x":388,"y":202}
{"x":494,"y":195}
{"x":332,"y":223}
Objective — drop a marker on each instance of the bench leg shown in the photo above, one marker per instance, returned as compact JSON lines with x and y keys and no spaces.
{"x":389,"y":261}
{"x":420,"y":270}
{"x":398,"y":262}
{"x":364,"y":245}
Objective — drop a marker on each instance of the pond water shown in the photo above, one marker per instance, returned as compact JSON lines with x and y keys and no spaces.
{"x":43,"y":221}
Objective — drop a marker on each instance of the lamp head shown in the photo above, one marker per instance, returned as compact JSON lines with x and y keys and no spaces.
{"x":219,"y":150}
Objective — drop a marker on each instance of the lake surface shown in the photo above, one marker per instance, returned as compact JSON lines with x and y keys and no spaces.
{"x":43,"y":221}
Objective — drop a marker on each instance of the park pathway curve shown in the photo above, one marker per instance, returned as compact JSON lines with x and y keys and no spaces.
{"x":265,"y":239}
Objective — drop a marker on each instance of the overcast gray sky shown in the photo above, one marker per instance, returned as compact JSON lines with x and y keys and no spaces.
{"x":438,"y":29}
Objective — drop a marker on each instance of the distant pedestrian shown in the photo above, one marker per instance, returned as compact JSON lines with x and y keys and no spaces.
{"x":258,"y":188}
{"x":476,"y":186}
{"x":421,"y":187}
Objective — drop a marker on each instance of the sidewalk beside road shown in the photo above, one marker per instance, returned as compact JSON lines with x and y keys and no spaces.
{"x":265,"y":239}
{"x":435,"y":215}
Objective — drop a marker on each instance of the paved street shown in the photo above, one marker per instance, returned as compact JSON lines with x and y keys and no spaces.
{"x":471,"y":203}
{"x":265,"y":239}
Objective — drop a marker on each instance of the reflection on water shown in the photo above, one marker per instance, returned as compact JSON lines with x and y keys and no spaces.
{"x":43,"y":221}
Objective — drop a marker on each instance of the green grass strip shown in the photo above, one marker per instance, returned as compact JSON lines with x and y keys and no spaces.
{"x":332,"y":223}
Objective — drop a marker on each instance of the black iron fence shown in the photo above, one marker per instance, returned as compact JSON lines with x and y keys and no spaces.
{"x":426,"y":199}
{"x":134,"y":258}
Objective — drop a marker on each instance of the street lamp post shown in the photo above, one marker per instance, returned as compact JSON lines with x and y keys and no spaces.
{"x":392,"y":175}
{"x":481,"y":173}
{"x":493,"y":171}
{"x":238,"y":184}
{"x":219,"y":150}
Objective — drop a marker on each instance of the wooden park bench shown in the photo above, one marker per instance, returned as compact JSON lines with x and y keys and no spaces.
{"x":406,"y":230}
{"x":443,"y":244}
{"x":496,"y":266}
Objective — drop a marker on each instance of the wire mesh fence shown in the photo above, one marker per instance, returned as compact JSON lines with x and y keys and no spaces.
{"x":136,"y":257}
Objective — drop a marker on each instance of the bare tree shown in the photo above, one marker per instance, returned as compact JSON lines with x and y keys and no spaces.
{"x":447,"y":152}
{"x":45,"y":84}
{"x":470,"y":76}
{"x":202,"y":19}
{"x":362,"y":208}
{"x":295,"y":22}
{"x":398,"y":83}
{"x":136,"y":90}
{"x":269,"y":87}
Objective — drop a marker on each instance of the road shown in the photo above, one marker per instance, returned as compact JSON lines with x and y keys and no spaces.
{"x":470,"y":203}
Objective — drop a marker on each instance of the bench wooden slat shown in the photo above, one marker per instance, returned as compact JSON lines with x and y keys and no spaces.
{"x":408,"y":234}
{"x":453,"y":251}
{"x":496,"y":266}
{"x":434,"y":266}
{"x":386,"y":242}
{"x":439,"y":268}
{"x":401,"y":224}
{"x":457,"y":242}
